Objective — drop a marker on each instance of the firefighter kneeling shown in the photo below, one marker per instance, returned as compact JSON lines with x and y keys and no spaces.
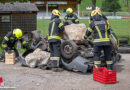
{"x":54,"y":39}
{"x":101,"y":31}
{"x":8,"y":44}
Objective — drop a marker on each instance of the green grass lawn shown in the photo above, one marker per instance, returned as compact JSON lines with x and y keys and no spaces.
{"x":120,"y":27}
{"x":43,"y":25}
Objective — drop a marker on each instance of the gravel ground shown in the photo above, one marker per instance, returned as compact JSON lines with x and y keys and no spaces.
{"x":23,"y":78}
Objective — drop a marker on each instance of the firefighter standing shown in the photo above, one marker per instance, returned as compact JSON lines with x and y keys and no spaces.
{"x":54,"y":39}
{"x":103,"y":16}
{"x":100,"y":29}
{"x":70,"y":16}
{"x":8,"y":44}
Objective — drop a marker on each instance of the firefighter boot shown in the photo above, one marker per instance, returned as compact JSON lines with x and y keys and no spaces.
{"x":58,"y":69}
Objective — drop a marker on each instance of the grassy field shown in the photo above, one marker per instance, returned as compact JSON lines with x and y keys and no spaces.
{"x":120,"y":27}
{"x":85,"y":3}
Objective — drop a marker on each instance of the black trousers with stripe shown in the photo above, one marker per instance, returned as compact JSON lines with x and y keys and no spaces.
{"x":55,"y":53}
{"x":107,"y":53}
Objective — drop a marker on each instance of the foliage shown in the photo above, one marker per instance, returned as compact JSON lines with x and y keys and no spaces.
{"x":111,"y":5}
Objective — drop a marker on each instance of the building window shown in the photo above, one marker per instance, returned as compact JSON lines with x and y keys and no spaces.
{"x":5,"y":19}
{"x":57,"y":2}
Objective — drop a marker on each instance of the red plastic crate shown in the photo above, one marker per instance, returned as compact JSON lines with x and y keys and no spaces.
{"x":104,"y":75}
{"x":1,"y":81}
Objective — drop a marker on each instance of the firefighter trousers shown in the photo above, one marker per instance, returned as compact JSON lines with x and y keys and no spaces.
{"x":55,"y":53}
{"x":107,"y":53}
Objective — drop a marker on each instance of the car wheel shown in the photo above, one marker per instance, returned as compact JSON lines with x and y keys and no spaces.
{"x":68,"y":49}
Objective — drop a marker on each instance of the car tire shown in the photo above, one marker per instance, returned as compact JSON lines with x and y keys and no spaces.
{"x":124,"y":50}
{"x":123,"y":41}
{"x":68,"y":49}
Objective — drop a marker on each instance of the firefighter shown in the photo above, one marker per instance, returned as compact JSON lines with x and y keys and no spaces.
{"x":101,"y":31}
{"x":71,"y":17}
{"x":54,"y":39}
{"x":8,"y":44}
{"x":103,"y":16}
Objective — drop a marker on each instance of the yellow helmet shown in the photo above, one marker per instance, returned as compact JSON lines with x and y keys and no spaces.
{"x":70,"y":10}
{"x":56,"y":12}
{"x":97,"y":11}
{"x":18,"y":33}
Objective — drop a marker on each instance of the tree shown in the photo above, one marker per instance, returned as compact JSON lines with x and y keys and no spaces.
{"x":93,"y":4}
{"x":111,"y":6}
{"x":127,"y":3}
{"x":2,"y":1}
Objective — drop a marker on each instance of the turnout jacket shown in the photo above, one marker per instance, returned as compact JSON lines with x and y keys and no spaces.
{"x":10,"y":40}
{"x":55,"y":29}
{"x":101,"y":32}
{"x":73,"y":18}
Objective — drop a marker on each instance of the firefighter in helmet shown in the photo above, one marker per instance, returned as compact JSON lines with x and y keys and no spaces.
{"x":103,"y":16}
{"x":54,"y":39}
{"x":101,"y":30}
{"x":71,"y":16}
{"x":9,"y":41}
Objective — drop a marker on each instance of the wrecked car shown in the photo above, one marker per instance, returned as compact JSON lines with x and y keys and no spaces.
{"x":77,"y":54}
